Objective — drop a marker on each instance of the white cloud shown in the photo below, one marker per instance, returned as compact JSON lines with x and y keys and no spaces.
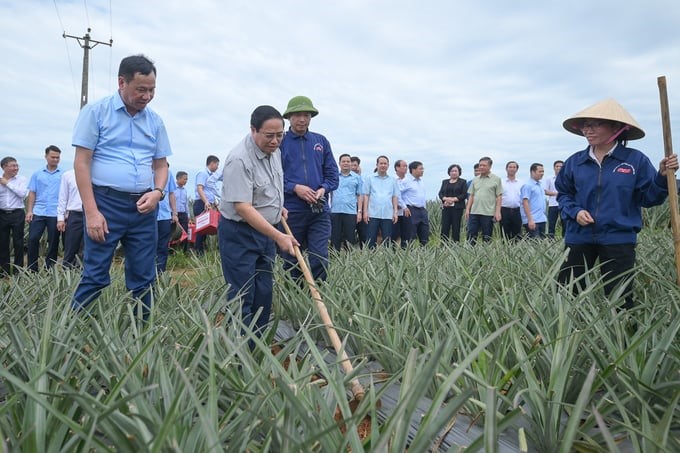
{"x":436,"y":81}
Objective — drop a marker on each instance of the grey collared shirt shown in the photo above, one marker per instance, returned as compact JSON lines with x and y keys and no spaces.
{"x":252,"y":176}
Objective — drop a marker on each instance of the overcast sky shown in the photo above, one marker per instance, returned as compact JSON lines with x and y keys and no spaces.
{"x":437,"y":81}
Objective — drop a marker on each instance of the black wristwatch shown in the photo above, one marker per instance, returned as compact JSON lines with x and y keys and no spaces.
{"x":161,"y":191}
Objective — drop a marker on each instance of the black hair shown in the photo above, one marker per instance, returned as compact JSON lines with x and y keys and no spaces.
{"x":52,"y":148}
{"x":413,"y":165}
{"x":355,"y":159}
{"x":344,"y":155}
{"x":487,"y":159}
{"x":6,"y":160}
{"x":210,"y":159}
{"x":397,"y":162}
{"x":180,"y":174}
{"x":452,"y":166}
{"x":129,"y":66}
{"x":534,"y":167}
{"x":262,"y":114}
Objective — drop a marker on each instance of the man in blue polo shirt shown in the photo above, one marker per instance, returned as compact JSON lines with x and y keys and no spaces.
{"x":41,"y":209}
{"x":346,"y":205}
{"x":533,"y":204}
{"x":206,"y":194}
{"x":121,"y":171}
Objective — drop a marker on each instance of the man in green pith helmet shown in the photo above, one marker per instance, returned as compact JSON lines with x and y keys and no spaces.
{"x":310,"y":173}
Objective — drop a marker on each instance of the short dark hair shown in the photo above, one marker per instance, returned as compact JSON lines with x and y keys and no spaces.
{"x":52,"y":148}
{"x":413,"y":165}
{"x":396,"y":162}
{"x":476,"y":166}
{"x":487,"y":159}
{"x":378,"y":160}
{"x":452,"y":166}
{"x":558,"y":161}
{"x":264,"y":113}
{"x":210,"y":159}
{"x":129,"y":66}
{"x":6,"y":160}
{"x":511,"y":162}
{"x":534,"y":166}
{"x":344,"y":155}
{"x":180,"y":174}
{"x":355,"y":159}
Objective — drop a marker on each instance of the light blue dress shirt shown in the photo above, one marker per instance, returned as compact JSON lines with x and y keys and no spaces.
{"x":123,"y":146}
{"x":45,"y":185}
{"x":164,"y":211}
{"x":380,"y":190}
{"x":413,"y":191}
{"x":534,"y":192}
{"x":208,"y":180}
{"x":181,"y":200}
{"x":344,"y":198}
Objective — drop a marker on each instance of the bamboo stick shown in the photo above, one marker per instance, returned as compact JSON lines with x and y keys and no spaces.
{"x":357,"y":389}
{"x":670,"y":175}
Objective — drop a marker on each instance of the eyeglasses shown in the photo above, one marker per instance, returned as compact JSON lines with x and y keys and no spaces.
{"x":273,"y":135}
{"x":592,"y":124}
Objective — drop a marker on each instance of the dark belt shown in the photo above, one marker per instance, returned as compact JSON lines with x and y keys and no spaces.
{"x":11,"y":211}
{"x":411,"y":207}
{"x":512,"y":209}
{"x":119,"y":194}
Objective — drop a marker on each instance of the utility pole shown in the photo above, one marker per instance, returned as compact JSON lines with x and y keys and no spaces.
{"x":86,"y":43}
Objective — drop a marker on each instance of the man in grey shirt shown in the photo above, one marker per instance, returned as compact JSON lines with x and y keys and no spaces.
{"x":251,"y":207}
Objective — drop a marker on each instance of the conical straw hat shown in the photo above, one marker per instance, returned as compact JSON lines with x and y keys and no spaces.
{"x":608,"y":109}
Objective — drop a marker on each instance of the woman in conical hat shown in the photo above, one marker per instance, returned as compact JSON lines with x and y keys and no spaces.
{"x":601,"y":192}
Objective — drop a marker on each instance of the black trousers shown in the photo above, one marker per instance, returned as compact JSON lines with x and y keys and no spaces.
{"x":343,"y":229}
{"x":73,"y":238}
{"x":616,"y":263}
{"x":36,"y":228}
{"x":451,"y":221}
{"x":511,"y":223}
{"x":183,"y":219}
{"x":12,"y":223}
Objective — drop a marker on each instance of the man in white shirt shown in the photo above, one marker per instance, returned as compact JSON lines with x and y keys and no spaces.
{"x":70,"y":218}
{"x":511,"y":219}
{"x":13,"y":190}
{"x":551,"y":195}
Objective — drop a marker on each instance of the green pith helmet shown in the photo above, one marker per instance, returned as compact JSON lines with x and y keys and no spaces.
{"x":300,"y":104}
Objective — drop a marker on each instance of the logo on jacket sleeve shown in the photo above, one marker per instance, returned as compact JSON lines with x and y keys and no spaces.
{"x":625,"y":168}
{"x":318,"y":147}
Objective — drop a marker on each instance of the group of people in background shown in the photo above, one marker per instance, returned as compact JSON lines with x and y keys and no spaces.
{"x":120,"y":192}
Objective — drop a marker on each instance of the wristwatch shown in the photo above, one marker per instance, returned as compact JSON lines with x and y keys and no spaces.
{"x":161,"y":191}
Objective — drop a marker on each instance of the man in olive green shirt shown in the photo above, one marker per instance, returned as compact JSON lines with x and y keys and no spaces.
{"x":484,"y":202}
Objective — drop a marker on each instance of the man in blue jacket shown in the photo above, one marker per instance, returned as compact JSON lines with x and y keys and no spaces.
{"x":601,"y":192}
{"x":309,"y":175}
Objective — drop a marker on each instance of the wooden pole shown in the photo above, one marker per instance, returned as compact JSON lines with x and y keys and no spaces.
{"x":670,"y":175}
{"x":357,"y":389}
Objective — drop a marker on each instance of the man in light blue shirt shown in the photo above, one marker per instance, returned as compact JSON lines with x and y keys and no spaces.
{"x":413,"y":195}
{"x":380,"y":203}
{"x":41,"y":209}
{"x":533,"y":204}
{"x":182,"y":203}
{"x":121,"y":171}
{"x":167,"y":215}
{"x":206,"y":194}
{"x":345,"y":205}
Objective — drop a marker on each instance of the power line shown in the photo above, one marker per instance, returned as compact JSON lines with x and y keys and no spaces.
{"x":87,"y":14}
{"x":68,"y":54}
